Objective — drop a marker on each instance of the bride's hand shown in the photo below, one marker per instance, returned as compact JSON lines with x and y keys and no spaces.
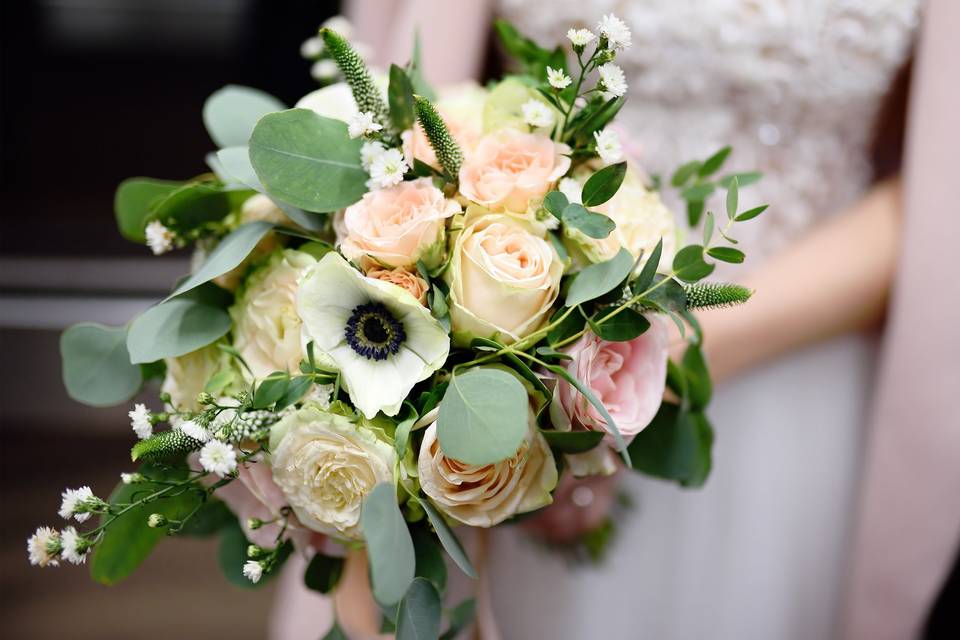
{"x":579,"y":505}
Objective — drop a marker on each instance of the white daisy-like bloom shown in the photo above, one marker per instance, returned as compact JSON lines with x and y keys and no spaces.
{"x":370,"y":151}
{"x":387,"y":169}
{"x":615,"y":31}
{"x":159,"y":237}
{"x":323,"y":70}
{"x":253,"y":571}
{"x":363,"y":123}
{"x":78,"y":503}
{"x":580,"y":37}
{"x":558,"y":79}
{"x":195,"y":430}
{"x":311,"y":47}
{"x":218,"y":457}
{"x":140,"y":421}
{"x":572,"y":189}
{"x":537,"y":114}
{"x":74,"y":546}
{"x":613,"y":80}
{"x":378,"y":335}
{"x":43,"y":547}
{"x":608,"y":146}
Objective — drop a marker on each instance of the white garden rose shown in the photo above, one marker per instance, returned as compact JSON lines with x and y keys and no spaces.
{"x":641,"y":218}
{"x":187,"y":376}
{"x":266,"y":327}
{"x":485,"y":495}
{"x":503,"y":276}
{"x":325,"y":465}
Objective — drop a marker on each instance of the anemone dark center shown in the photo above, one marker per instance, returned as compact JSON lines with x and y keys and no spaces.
{"x":373,"y":332}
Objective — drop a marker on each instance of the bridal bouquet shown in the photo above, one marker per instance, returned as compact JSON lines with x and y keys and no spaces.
{"x":409,"y":310}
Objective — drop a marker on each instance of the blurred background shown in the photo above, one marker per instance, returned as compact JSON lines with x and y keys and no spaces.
{"x":92,"y":92}
{"x":95,"y":91}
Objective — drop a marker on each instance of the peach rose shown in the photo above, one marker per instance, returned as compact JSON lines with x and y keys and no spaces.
{"x":404,"y":279}
{"x":397,"y":226}
{"x":485,"y":495}
{"x":627,"y":377}
{"x":503,"y":279}
{"x":510,"y":168}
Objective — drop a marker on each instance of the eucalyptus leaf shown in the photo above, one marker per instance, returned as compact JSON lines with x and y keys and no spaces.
{"x":133,"y":203}
{"x":689,"y":265}
{"x":698,"y":192}
{"x":684,"y":172}
{"x":227,"y":255}
{"x":708,"y":229}
{"x":96,"y":365}
{"x":714,"y":162}
{"x":669,"y":296}
{"x":419,"y":615}
{"x":389,"y":546}
{"x":675,"y":445}
{"x":231,"y":113}
{"x":460,"y":616}
{"x":430,"y":562}
{"x":750,"y":214}
{"x":555,"y":202}
{"x":743,"y":179}
{"x":694,"y":212}
{"x":603,"y":184}
{"x":307,"y":160}
{"x":448,"y":539}
{"x":726,"y":254}
{"x":570,"y":326}
{"x":592,"y":224}
{"x":643,"y":281}
{"x":699,"y":385}
{"x":732,"y":198}
{"x":483,"y":417}
{"x":401,"y":437}
{"x":572,"y":441}
{"x":626,"y":325}
{"x":598,"y":279}
{"x":196,"y":203}
{"x":323,"y":573}
{"x":174,"y":328}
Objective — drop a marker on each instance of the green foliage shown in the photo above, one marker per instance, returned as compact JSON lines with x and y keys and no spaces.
{"x":674,"y":446}
{"x":133,"y":204}
{"x":448,"y":539}
{"x":355,"y":72}
{"x":733,"y":198}
{"x":726,"y":254}
{"x":323,"y":573}
{"x":483,"y":416}
{"x":643,"y":281}
{"x":230,"y":113}
{"x":750,"y":214}
{"x":444,"y":146}
{"x":689,"y":264}
{"x":166,"y":445}
{"x":594,"y":225}
{"x":533,"y":58}
{"x":177,"y":327}
{"x":400,"y":96}
{"x":96,"y":365}
{"x":572,"y":441}
{"x":430,"y":563}
{"x":626,"y":325}
{"x":698,"y":384}
{"x":128,"y":540}
{"x":232,"y":555}
{"x":570,"y":326}
{"x":389,"y":546}
{"x":460,"y":617}
{"x":419,"y":615}
{"x":712,"y":164}
{"x":705,"y":295}
{"x":598,"y":279}
{"x":208,"y":520}
{"x":335,"y":633}
{"x":591,"y":118}
{"x":603,"y":184}
{"x":227,"y":255}
{"x":308,"y":161}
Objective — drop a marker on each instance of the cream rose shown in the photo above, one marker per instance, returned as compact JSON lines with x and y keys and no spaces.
{"x":461,"y":108}
{"x":398,"y":226}
{"x":187,"y":376}
{"x":503,"y":278}
{"x":266,"y":327}
{"x":509,"y":168}
{"x":642,"y":220}
{"x":325,"y":465}
{"x":414,"y":284}
{"x":485,"y":495}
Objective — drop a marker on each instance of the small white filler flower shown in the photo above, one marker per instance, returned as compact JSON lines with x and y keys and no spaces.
{"x":362,"y":124}
{"x":140,"y":421}
{"x":615,"y":31}
{"x":44,"y":547}
{"x":608,"y":146}
{"x":580,"y":37}
{"x":159,"y":237}
{"x":253,"y":571}
{"x":613,"y":81}
{"x":79,"y":503}
{"x":387,"y":169}
{"x":218,"y":457}
{"x":194,"y":430}
{"x":74,"y":546}
{"x":558,"y":79}
{"x":537,"y":114}
{"x":370,"y":151}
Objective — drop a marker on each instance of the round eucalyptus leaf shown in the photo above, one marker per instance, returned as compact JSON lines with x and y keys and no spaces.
{"x":600,"y":278}
{"x":175,"y":327}
{"x":419,"y":615}
{"x":133,"y":203}
{"x":230,"y":113}
{"x":389,"y":546}
{"x":483,"y":416}
{"x":96,"y":365}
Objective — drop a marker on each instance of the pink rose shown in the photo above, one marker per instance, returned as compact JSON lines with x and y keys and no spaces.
{"x":627,"y":377}
{"x":397,"y":226}
{"x":510,"y":168}
{"x":255,"y":495}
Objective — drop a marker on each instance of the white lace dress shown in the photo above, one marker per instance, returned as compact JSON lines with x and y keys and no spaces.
{"x":759,"y":552}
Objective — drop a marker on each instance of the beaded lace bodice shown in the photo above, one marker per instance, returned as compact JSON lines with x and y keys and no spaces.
{"x":793,"y":85}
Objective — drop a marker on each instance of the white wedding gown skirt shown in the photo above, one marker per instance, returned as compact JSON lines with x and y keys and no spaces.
{"x":757,"y":553}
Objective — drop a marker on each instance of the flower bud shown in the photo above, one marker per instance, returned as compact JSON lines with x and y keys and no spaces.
{"x":204,"y":398}
{"x":254,"y":551}
{"x":156,"y":520}
{"x":254,"y":523}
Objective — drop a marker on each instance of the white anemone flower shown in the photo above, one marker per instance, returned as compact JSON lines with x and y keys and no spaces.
{"x":380,"y":337}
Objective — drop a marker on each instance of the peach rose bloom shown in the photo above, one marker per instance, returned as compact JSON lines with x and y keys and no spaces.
{"x":503,"y":279}
{"x":510,"y":168}
{"x":627,"y":377}
{"x":397,"y":226}
{"x":404,"y":279}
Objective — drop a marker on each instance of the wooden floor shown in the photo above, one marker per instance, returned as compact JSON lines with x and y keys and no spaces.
{"x":177,"y":594}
